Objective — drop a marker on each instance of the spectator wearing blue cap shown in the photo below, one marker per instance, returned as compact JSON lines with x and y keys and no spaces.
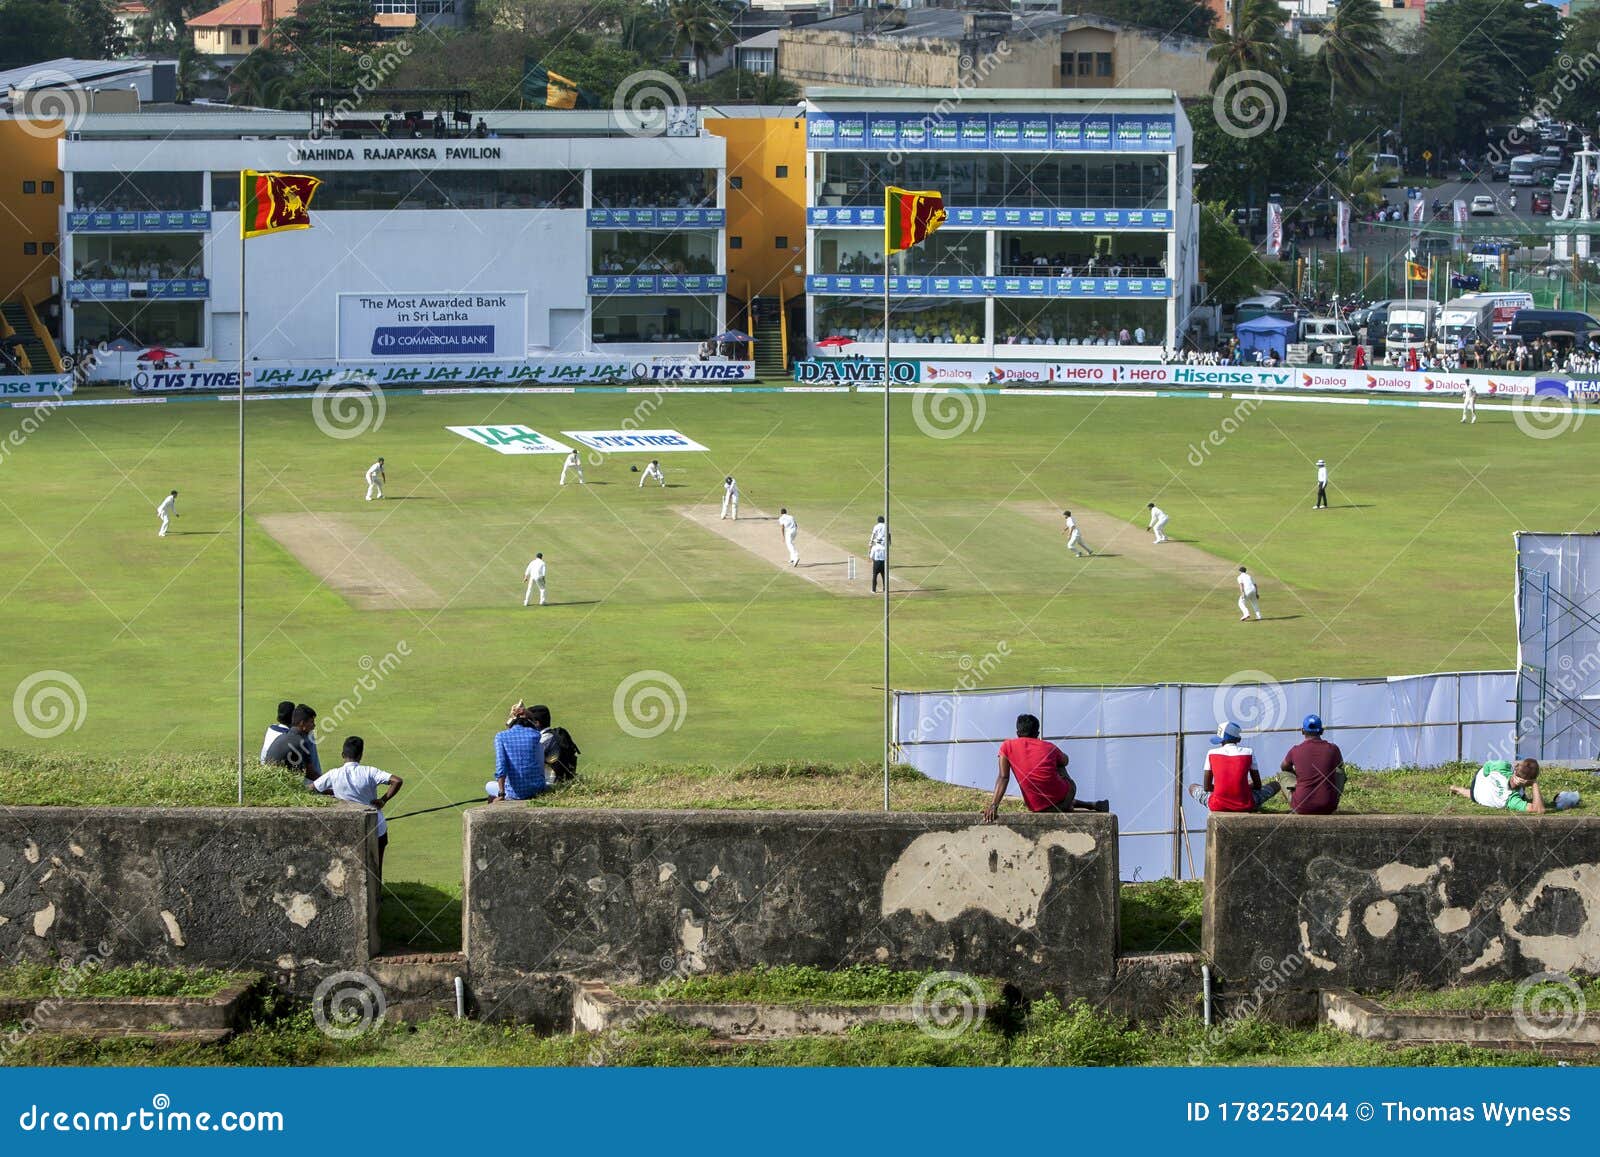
{"x":1231,"y":781}
{"x":1313,"y":772}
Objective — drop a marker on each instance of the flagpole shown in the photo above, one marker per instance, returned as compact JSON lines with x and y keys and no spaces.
{"x":240,"y":706}
{"x":888,"y":376}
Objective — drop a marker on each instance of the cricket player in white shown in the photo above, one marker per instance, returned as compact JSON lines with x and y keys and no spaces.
{"x":652,"y":471}
{"x":375,"y":480}
{"x":573,"y":464}
{"x":534,"y":573}
{"x":878,"y":552}
{"x":730,"y":497}
{"x":790,"y":528}
{"x":1469,"y":404}
{"x":1158,"y":522}
{"x":168,"y":510}
{"x":1075,"y":541}
{"x":1249,"y":596}
{"x":1322,"y":485}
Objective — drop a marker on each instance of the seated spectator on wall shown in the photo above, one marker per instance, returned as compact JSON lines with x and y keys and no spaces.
{"x":519,"y":757}
{"x":355,"y":782}
{"x":1313,"y":771}
{"x":1499,"y":784}
{"x":1231,"y":781}
{"x":295,"y":748}
{"x":285,"y":716}
{"x":1041,"y":770}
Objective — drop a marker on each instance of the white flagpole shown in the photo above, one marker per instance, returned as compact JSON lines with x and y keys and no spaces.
{"x":888,"y":376}
{"x":240,"y":721}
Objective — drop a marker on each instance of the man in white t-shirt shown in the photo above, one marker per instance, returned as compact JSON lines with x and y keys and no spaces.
{"x":355,"y":782}
{"x":1249,"y":596}
{"x":878,"y":552}
{"x":652,"y":472}
{"x":168,"y":510}
{"x":730,"y":498}
{"x":1469,"y":404}
{"x":1158,"y":522}
{"x":1075,"y":541}
{"x":375,"y":480}
{"x":572,"y":465}
{"x":790,"y":528}
{"x":1322,"y":485}
{"x":281,"y":727}
{"x":534,"y":573}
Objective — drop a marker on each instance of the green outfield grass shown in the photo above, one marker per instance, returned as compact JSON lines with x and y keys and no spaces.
{"x":1411,"y":571}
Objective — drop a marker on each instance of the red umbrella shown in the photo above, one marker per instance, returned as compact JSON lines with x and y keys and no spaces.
{"x":156,"y":354}
{"x":834,"y":343}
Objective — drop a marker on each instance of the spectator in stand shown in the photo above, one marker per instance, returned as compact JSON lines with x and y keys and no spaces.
{"x":281,"y":727}
{"x":295,"y":748}
{"x":1313,"y":772}
{"x":1041,"y":770}
{"x":354,"y":782}
{"x":1231,"y":781}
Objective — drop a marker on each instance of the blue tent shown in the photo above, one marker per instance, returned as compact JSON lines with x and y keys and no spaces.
{"x":1265,"y":334}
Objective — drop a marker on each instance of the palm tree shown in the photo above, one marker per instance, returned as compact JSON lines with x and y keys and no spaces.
{"x":1357,"y":181}
{"x":1253,"y":42}
{"x":1352,"y":44}
{"x":701,"y":26}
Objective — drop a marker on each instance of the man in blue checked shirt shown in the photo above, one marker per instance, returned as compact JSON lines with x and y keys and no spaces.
{"x":519,"y":757}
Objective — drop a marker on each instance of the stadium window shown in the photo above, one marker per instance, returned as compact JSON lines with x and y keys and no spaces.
{"x":1102,"y":64}
{"x":47,"y":187}
{"x":30,"y":249}
{"x":1085,"y":64}
{"x":780,"y":242}
{"x":782,"y":172}
{"x":28,"y":187}
{"x":735,"y":242}
{"x":735,"y":182}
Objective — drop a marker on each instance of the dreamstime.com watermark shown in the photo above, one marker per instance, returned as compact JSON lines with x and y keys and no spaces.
{"x":641,"y":101}
{"x":947,"y":1005}
{"x":1200,"y":452}
{"x":1252,"y":699}
{"x":1545,"y":416}
{"x":35,"y":414}
{"x":1567,"y":681}
{"x":346,"y":1005}
{"x":675,"y":970}
{"x":945,"y":413}
{"x":972,"y":74}
{"x":1249,"y":103}
{"x":160,"y":1117}
{"x":49,"y":703}
{"x":348,"y":408}
{"x":974,"y":674}
{"x":1548,"y":1006}
{"x":634,"y":421}
{"x":72,"y":980}
{"x":649,"y":703}
{"x":374,"y":672}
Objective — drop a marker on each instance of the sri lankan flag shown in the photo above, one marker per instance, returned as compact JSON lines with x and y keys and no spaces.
{"x":1416,"y":272}
{"x":274,"y":202}
{"x":908,"y":217}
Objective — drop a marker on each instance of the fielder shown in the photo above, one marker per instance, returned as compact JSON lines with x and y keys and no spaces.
{"x":1075,"y":541}
{"x":652,"y":471}
{"x":1249,"y":596}
{"x":534,"y":573}
{"x":878,"y":552}
{"x":1322,"y":485}
{"x":573,"y":465}
{"x":375,"y":480}
{"x":1158,"y":522}
{"x":168,"y":510}
{"x":730,"y":497}
{"x":1469,"y":404}
{"x":790,"y":528}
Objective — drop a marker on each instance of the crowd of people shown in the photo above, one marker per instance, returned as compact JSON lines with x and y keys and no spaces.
{"x":1311,"y":777}
{"x":1062,"y":264}
{"x":1045,"y":332}
{"x":628,"y":262}
{"x":159,"y":263}
{"x":668,"y":190}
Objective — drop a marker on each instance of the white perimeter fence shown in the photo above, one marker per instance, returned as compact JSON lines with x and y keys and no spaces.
{"x":1141,"y":746}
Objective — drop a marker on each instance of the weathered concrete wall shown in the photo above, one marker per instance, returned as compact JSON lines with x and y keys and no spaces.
{"x":1375,"y":901}
{"x":640,"y":896}
{"x":291,"y":891}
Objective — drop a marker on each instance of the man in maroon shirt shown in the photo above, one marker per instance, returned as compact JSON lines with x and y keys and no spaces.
{"x":1313,"y":772}
{"x":1041,"y":770}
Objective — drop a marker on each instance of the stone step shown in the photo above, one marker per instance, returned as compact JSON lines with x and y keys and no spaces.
{"x":417,"y":985}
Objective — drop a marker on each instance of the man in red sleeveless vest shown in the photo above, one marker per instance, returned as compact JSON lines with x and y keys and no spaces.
{"x":1232,"y":782}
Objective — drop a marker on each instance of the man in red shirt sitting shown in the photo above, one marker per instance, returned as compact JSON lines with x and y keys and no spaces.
{"x":1232,"y":782}
{"x":1313,"y":771}
{"x":1041,"y":770}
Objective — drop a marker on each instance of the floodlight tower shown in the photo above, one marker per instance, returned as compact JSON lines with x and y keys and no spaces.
{"x":1585,"y":170}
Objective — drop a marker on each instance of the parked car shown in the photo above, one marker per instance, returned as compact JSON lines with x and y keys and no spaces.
{"x":1539,"y":202}
{"x":1483,"y":205}
{"x":1563,"y":324}
{"x":1563,"y":183}
{"x":1499,"y":170}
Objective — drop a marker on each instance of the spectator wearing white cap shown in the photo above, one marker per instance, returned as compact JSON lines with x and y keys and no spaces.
{"x":1231,"y":781}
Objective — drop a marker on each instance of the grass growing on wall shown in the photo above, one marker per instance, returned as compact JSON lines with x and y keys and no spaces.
{"x":167,"y":779}
{"x":43,"y":980}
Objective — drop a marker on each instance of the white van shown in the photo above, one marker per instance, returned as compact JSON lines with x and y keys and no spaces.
{"x":1387,"y":165}
{"x":1325,"y":331}
{"x":1506,"y":304}
{"x":1411,"y":323}
{"x":1470,"y":317}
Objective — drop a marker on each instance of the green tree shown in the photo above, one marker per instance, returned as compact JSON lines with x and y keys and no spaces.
{"x":95,"y":32}
{"x":1229,"y":264}
{"x":738,"y":86}
{"x":33,"y":30}
{"x":1183,"y":17}
{"x":701,"y":26}
{"x":1352,"y":44}
{"x":1497,"y":50}
{"x":1576,"y":89}
{"x":1252,"y":43}
{"x":322,"y":45}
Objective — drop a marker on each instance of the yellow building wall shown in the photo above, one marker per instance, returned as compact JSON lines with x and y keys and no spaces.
{"x":766,"y":208}
{"x":29,"y":147}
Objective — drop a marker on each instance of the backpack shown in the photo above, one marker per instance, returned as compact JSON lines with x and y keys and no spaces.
{"x":564,"y":763}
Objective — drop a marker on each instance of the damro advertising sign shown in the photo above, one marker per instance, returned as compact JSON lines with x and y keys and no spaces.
{"x":433,"y":325}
